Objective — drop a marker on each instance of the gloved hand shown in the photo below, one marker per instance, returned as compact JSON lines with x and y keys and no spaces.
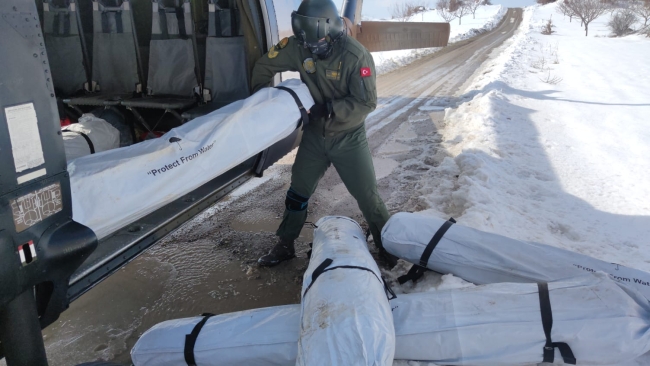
{"x":318,"y":111}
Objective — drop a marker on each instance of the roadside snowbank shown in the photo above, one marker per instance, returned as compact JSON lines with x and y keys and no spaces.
{"x":564,"y":164}
{"x":550,"y":143}
{"x":487,"y":17}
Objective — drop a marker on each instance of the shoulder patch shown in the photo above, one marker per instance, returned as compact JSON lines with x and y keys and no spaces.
{"x":283,"y":43}
{"x":273,"y":52}
{"x":366,"y":72}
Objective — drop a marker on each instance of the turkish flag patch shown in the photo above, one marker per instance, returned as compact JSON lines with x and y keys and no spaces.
{"x":365,"y":72}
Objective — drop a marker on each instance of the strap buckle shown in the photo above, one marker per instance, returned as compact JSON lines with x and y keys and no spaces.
{"x":418,"y":270}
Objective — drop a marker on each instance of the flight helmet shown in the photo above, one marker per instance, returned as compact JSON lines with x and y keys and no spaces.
{"x":317,"y":25}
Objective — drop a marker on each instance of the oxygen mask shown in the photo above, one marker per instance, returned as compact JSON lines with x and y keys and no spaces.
{"x":321,"y":48}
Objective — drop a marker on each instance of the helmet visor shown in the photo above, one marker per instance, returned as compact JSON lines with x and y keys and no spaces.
{"x":309,"y":30}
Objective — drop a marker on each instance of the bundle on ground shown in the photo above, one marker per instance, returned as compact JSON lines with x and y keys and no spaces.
{"x":602,"y":322}
{"x":589,"y":319}
{"x":346,"y":318}
{"x":484,"y":258}
{"x":257,"y":337}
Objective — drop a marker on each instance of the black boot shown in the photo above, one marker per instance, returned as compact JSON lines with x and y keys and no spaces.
{"x":282,"y":251}
{"x":389,"y":260}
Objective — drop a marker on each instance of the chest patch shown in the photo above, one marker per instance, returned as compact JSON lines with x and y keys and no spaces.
{"x":333,"y":74}
{"x":309,"y":65}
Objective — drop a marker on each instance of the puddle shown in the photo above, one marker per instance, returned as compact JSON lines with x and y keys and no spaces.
{"x":256,"y":226}
{"x":105,"y":323}
{"x":269,"y":225}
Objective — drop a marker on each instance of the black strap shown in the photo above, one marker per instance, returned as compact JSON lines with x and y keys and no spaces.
{"x":180,"y":19}
{"x":119,"y":26}
{"x":318,"y":271}
{"x":547,"y":323}
{"x":190,"y":339}
{"x":162,"y":21}
{"x":233,"y":19}
{"x":424,"y":259}
{"x":389,"y":291}
{"x":417,"y":271}
{"x":413,"y":274}
{"x":66,"y":24}
{"x":217,"y":23}
{"x":90,"y":143}
{"x":59,"y":19}
{"x":322,"y":268}
{"x":304,"y":116}
{"x":56,"y":24}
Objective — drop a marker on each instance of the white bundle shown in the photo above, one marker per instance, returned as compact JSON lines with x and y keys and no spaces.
{"x":257,"y":337}
{"x":602,"y":321}
{"x":484,"y":258}
{"x":101,"y":134}
{"x":346,"y":318}
{"x":166,"y":168}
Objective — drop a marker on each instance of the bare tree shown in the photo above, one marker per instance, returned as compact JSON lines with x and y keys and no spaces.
{"x":442,"y":7}
{"x":472,"y":6}
{"x":400,"y":11}
{"x":404,"y":10}
{"x":621,"y":22}
{"x":588,"y":10}
{"x":564,"y":9}
{"x":460,"y":9}
{"x":642,"y":9}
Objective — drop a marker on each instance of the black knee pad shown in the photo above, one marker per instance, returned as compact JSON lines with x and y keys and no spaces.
{"x":295,"y":202}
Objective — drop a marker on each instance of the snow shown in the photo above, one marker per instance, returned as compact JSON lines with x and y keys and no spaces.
{"x":564,"y":163}
{"x":487,"y":17}
{"x":381,"y":9}
{"x":572,"y":155}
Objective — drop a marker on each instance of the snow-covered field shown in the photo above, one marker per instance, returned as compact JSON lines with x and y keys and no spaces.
{"x":487,"y":17}
{"x":551,"y":143}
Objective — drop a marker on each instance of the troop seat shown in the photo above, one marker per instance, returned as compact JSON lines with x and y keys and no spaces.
{"x":225,"y":19}
{"x":66,"y":49}
{"x":226,"y":76}
{"x":116,"y":64}
{"x":173,"y":82}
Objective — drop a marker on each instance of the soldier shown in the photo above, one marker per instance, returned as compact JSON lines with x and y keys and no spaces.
{"x":340,"y":74}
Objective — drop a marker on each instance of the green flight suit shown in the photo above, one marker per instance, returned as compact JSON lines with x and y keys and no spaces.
{"x":346,"y":79}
